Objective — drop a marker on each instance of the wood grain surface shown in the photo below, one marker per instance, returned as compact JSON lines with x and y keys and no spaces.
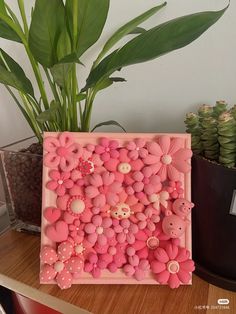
{"x":19,"y":271}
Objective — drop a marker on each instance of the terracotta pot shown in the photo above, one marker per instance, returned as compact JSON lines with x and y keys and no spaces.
{"x":214,"y":225}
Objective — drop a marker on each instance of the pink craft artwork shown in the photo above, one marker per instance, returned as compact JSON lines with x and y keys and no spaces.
{"x":116,"y":209}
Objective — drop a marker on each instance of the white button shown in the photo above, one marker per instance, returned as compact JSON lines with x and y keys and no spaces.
{"x":77,"y":206}
{"x":124,"y":167}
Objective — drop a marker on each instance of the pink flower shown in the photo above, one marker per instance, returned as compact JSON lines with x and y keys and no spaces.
{"x":118,"y":257}
{"x":174,"y":188}
{"x":136,"y":267}
{"x":94,"y":264}
{"x":125,"y":230}
{"x":146,"y":241}
{"x":136,"y":149}
{"x":76,"y":231}
{"x":127,"y":206}
{"x":99,"y":230}
{"x":60,"y":182}
{"x":62,"y":152}
{"x":172,"y":265}
{"x":168,"y":158}
{"x":145,"y":183}
{"x":148,"y":219}
{"x":75,"y":205}
{"x":107,"y":149}
{"x":103,"y":189}
{"x":60,"y":265}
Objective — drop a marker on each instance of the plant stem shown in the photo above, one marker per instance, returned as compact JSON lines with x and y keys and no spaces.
{"x":73,"y":98}
{"x":52,"y":85}
{"x":23,"y":16}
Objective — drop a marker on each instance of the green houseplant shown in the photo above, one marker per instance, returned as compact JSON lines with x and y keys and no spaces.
{"x":213,"y":130}
{"x":55,"y":41}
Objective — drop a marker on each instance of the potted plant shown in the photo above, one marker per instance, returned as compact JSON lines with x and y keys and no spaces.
{"x":59,"y":34}
{"x":213,"y":132}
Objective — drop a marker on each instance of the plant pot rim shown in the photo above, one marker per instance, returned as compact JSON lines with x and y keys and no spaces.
{"x":213,"y":163}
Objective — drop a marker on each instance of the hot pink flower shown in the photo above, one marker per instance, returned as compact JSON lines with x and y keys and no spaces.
{"x":172,"y":265}
{"x":94,"y":264}
{"x":125,"y":230}
{"x":107,"y":149}
{"x":148,"y":219}
{"x":168,"y":158}
{"x":145,"y":183}
{"x":103,"y":189}
{"x":136,"y":267}
{"x":62,"y":152}
{"x":60,"y":182}
{"x":76,"y":231}
{"x":60,"y":265}
{"x":75,"y":205}
{"x":99,"y":230}
{"x":136,"y":149}
{"x":147,"y":241}
{"x":174,"y":188}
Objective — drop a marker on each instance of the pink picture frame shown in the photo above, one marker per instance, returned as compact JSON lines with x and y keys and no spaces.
{"x":54,"y":152}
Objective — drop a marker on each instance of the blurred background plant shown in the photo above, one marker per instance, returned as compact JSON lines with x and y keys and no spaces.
{"x":213,"y":130}
{"x":56,"y":38}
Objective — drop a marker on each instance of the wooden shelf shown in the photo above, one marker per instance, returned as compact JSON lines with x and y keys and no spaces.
{"x":19,"y":272}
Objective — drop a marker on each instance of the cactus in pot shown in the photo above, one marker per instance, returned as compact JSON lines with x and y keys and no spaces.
{"x":214,"y":130}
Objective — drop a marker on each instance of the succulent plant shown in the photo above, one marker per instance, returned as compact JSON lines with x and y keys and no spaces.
{"x":213,"y":131}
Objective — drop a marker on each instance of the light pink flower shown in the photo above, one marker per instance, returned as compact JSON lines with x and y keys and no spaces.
{"x":136,"y":149}
{"x":174,"y":188}
{"x":76,"y":231}
{"x":61,"y":151}
{"x":107,"y":149}
{"x":136,"y":267}
{"x":103,"y":189}
{"x":125,"y":230}
{"x":99,"y":230}
{"x":168,"y":158}
{"x":94,"y":264}
{"x":60,"y":182}
{"x":148,"y":219}
{"x":172,"y":265}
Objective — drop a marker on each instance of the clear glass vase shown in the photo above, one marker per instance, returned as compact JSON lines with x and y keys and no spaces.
{"x":21,"y":174}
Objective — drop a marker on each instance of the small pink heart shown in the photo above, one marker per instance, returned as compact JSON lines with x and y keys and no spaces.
{"x":57,"y":232}
{"x":52,"y":214}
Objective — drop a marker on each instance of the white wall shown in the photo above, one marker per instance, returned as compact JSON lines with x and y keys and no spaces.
{"x":158,"y":93}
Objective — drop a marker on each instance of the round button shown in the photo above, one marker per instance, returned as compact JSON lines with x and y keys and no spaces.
{"x":58,"y":266}
{"x":152,"y":243}
{"x":124,"y":167}
{"x":166,"y":159}
{"x":77,"y":206}
{"x":173,"y":267}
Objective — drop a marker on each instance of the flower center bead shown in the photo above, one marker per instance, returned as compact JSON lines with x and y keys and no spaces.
{"x":124,"y":167}
{"x":99,"y":230}
{"x":77,"y":206}
{"x":126,"y":231}
{"x":62,"y":151}
{"x":152,"y":243}
{"x":60,"y":182}
{"x":79,"y":249}
{"x":166,"y":159}
{"x":172,"y":267}
{"x":58,"y":266}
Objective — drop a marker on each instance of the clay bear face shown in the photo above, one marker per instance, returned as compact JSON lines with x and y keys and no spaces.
{"x":174,"y":226}
{"x":182,"y":207}
{"x":121,"y":211}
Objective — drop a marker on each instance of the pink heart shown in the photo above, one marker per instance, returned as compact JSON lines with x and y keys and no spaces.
{"x":52,"y":214}
{"x":57,"y":232}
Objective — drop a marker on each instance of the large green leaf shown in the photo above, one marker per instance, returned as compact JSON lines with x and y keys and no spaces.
{"x":156,"y":42}
{"x":5,"y":30}
{"x":110,"y":122}
{"x":60,"y":73}
{"x":12,"y":74}
{"x":47,"y":23}
{"x":92,"y":15}
{"x":129,"y":28}
{"x":49,"y":114}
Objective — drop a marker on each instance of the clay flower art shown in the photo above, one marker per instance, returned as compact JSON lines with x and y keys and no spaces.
{"x":168,"y":158}
{"x":174,"y":188}
{"x":136,"y":149}
{"x":60,"y":182}
{"x":172,"y":265}
{"x":107,"y":149}
{"x":147,"y":219}
{"x":125,"y":230}
{"x":94,"y":264}
{"x":61,"y":151}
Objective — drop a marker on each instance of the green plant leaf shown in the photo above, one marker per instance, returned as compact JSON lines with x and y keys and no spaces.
{"x":63,"y":45}
{"x":110,"y":122}
{"x":5,"y":30}
{"x":128,"y":28}
{"x":71,"y":58}
{"x":60,"y":73}
{"x":80,"y":97}
{"x":156,"y":42}
{"x":92,"y":15}
{"x":12,"y":74}
{"x":137,"y":30}
{"x":49,"y":114}
{"x":47,"y":23}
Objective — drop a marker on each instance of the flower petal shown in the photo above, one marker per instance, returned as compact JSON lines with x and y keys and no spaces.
{"x":161,"y":255}
{"x":157,"y":267}
{"x":172,"y":251}
{"x":154,"y":149}
{"x":50,"y":144}
{"x":164,"y":142}
{"x":175,"y":145}
{"x":163,"y":277}
{"x":184,"y":276}
{"x":174,"y":281}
